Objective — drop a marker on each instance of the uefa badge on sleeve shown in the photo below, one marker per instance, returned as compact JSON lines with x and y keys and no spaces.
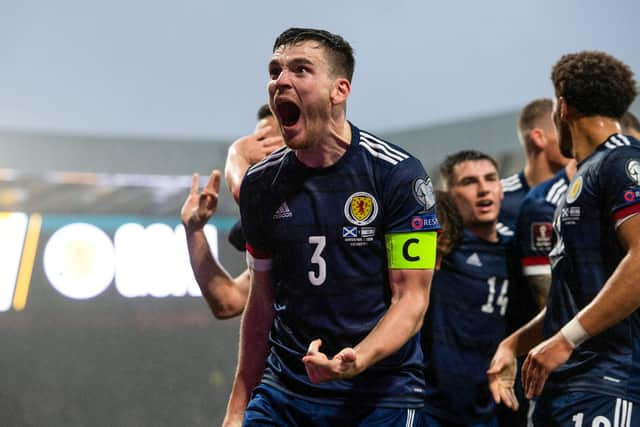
{"x":633,"y":170}
{"x":423,"y":192}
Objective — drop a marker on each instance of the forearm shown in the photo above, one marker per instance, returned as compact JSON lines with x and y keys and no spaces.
{"x":235,"y":167}
{"x":254,"y":345}
{"x":402,"y":321}
{"x":527,"y":337}
{"x":619,"y":297}
{"x":225,"y":296}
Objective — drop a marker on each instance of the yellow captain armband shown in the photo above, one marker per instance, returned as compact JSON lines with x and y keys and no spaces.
{"x":415,"y":250}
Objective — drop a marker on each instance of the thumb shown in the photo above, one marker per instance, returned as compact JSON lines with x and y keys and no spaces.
{"x":314,"y":347}
{"x":495,"y":367}
{"x":347,"y":355}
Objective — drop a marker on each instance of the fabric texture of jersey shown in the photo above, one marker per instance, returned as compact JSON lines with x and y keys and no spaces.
{"x":325,"y":231}
{"x":534,"y":233}
{"x":515,"y":188}
{"x":465,"y":322}
{"x":236,"y":237}
{"x":604,"y":192}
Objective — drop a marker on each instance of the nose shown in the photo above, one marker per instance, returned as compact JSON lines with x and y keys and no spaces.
{"x":483,"y":187}
{"x":284,"y":78}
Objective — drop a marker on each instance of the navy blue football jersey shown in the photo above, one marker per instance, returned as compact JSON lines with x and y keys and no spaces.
{"x":534,"y":233}
{"x":604,"y":192}
{"x":515,"y":188}
{"x":466,"y":320}
{"x":324,"y":230}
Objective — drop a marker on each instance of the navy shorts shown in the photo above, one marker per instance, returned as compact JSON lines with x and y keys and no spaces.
{"x":271,"y":407}
{"x":431,"y":421}
{"x":584,"y":409}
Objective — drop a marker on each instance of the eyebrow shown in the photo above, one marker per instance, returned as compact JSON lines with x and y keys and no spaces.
{"x":293,"y":61}
{"x":474,"y":176}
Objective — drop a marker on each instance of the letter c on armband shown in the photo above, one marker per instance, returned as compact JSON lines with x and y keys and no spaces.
{"x":405,"y":250}
{"x":414,"y":250}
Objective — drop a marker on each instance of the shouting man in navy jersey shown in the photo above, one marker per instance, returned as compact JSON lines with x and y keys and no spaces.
{"x":584,"y":348}
{"x":341,"y":235}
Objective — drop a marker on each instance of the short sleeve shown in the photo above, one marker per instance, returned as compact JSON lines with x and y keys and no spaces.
{"x":409,"y":200}
{"x":620,"y":184}
{"x":252,"y":218}
{"x":534,"y":236}
{"x":236,"y":236}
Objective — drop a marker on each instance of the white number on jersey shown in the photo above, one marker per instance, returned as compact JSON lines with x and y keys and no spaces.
{"x":318,"y":278}
{"x":502,"y":300}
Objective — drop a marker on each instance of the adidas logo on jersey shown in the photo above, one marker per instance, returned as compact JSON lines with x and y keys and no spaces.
{"x":283,"y":212}
{"x":474,"y":260}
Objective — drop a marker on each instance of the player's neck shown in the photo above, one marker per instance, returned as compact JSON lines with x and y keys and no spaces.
{"x":589,"y":132}
{"x":484,"y":231}
{"x":538,"y":169}
{"x":571,"y":168}
{"x":329,"y":148}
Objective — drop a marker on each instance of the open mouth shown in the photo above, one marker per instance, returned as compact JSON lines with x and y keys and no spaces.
{"x":484,"y":203}
{"x":288,"y":113}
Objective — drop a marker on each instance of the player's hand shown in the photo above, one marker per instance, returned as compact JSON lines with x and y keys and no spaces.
{"x":320,"y":368}
{"x":257,"y":146}
{"x":502,"y":376}
{"x":543,"y":359}
{"x":200,"y":206}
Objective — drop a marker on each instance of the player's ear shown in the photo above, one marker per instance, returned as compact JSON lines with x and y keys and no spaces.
{"x":536,"y":135}
{"x":563,"y":108}
{"x":340,"y":91}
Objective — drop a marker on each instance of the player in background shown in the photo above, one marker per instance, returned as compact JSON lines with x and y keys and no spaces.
{"x":467,"y":315}
{"x":630,"y":125}
{"x":542,"y":158}
{"x":225,"y":295}
{"x":583,"y":347}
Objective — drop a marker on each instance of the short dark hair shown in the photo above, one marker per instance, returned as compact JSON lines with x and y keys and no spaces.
{"x":338,"y":49}
{"x":629,"y":122}
{"x":531,"y":114}
{"x":452,"y":160}
{"x":264,"y":111}
{"x":595,"y":83}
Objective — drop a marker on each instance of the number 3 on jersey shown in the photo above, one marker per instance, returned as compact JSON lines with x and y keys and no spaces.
{"x":318,"y":278}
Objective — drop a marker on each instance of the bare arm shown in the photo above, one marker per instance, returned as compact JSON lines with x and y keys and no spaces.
{"x":403,"y":319}
{"x":245,"y":152}
{"x":224,"y":295}
{"x":620,"y":296}
{"x":539,"y":285}
{"x":254,"y":334}
{"x":502,"y":370}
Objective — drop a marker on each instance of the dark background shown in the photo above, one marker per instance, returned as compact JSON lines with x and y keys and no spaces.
{"x":111,"y":360}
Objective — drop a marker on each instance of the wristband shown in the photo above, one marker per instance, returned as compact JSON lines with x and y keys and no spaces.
{"x":258,"y":264}
{"x":574,"y":332}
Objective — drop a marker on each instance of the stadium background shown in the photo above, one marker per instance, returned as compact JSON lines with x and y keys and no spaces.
{"x":161,"y":359}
